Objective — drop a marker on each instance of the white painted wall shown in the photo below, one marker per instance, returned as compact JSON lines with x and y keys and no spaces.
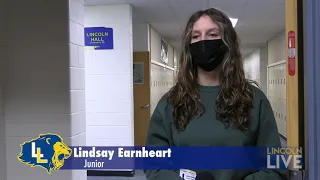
{"x":272,"y":79}
{"x":109,"y":84}
{"x":3,"y":164}
{"x":252,"y":66}
{"x":255,"y":66}
{"x":43,"y":88}
{"x":77,"y":76}
{"x":161,"y":75}
{"x":155,"y":45}
{"x":176,"y":59}
{"x":277,"y":49}
{"x":263,"y":68}
{"x":141,"y":37}
{"x":277,"y":80}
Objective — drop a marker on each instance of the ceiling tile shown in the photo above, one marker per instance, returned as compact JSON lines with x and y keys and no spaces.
{"x":184,"y":13}
{"x":259,"y":20}
{"x":264,"y":13}
{"x":259,"y":29}
{"x":149,"y":3}
{"x":132,"y":2}
{"x":231,"y":2}
{"x":100,"y":2}
{"x":153,"y":14}
{"x":266,"y":1}
{"x":231,"y":10}
{"x":197,"y":4}
{"x":171,"y":30}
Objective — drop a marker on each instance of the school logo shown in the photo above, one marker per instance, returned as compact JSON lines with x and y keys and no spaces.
{"x":47,"y":151}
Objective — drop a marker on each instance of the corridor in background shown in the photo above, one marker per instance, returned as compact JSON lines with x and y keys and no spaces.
{"x":51,"y":80}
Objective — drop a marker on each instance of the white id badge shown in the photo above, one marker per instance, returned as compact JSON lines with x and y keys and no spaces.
{"x":187,"y":174}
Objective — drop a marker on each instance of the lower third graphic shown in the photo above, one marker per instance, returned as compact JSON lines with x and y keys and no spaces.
{"x":47,"y":151}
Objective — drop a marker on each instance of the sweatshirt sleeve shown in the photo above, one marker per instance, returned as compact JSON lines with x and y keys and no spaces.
{"x":267,"y":136}
{"x":158,"y":136}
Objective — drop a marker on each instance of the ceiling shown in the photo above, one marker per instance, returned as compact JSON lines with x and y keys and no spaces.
{"x":258,"y":20}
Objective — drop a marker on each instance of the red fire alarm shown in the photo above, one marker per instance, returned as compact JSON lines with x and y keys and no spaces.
{"x":291,"y":53}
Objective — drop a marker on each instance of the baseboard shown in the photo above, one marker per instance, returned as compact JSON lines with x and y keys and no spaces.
{"x":111,"y":173}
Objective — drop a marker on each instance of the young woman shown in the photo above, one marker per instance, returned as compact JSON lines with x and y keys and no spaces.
{"x":212,"y":103}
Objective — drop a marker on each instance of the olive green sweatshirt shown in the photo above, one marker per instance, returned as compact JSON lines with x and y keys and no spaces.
{"x":206,"y":130}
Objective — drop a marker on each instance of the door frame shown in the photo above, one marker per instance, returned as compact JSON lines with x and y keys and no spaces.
{"x":311,"y":10}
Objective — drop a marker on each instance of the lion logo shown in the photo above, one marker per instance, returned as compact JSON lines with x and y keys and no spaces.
{"x":47,"y":151}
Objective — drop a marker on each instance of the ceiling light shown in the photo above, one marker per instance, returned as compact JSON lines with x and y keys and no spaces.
{"x":233,"y":21}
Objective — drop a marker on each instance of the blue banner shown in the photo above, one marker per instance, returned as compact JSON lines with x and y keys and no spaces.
{"x":99,"y":37}
{"x":195,"y":158}
{"x":48,"y":151}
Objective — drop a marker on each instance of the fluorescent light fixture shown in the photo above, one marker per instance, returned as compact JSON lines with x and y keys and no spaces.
{"x":233,"y":21}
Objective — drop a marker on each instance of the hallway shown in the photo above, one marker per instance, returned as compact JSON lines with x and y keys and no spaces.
{"x":54,"y":78}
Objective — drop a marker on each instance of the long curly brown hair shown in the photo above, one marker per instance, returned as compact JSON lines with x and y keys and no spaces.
{"x":234,"y":101}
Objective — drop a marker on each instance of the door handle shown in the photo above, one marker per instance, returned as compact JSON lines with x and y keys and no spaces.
{"x":147,"y":106}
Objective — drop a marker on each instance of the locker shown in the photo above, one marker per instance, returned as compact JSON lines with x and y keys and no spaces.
{"x":277,"y":94}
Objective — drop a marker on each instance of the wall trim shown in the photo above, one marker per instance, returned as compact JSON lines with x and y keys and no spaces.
{"x":161,"y":64}
{"x":277,"y":63}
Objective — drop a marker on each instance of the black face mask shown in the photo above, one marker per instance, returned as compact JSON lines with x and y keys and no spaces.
{"x":208,"y":54}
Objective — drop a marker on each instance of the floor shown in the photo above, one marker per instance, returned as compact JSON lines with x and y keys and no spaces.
{"x":139,"y":175}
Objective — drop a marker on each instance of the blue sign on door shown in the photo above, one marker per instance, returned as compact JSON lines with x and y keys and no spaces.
{"x":98,"y":37}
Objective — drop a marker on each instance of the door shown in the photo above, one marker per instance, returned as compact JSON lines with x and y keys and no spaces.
{"x":141,"y":95}
{"x":295,"y":80}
